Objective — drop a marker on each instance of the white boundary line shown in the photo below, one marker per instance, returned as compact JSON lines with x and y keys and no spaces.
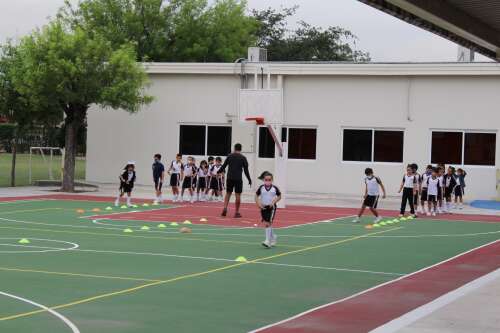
{"x":49,"y":310}
{"x":74,"y":246}
{"x":426,"y":309}
{"x":372,"y":288}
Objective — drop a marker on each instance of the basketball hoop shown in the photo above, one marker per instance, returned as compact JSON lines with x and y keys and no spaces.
{"x":258,"y":120}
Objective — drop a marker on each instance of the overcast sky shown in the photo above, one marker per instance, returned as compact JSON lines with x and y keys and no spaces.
{"x":385,"y":37}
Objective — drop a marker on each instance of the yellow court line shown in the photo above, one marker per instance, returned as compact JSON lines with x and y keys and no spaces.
{"x":30,"y":210}
{"x":9,"y":269}
{"x":193,"y":275}
{"x":146,"y":237}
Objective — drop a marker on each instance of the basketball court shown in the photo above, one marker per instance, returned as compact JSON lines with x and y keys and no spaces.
{"x":69,"y":264}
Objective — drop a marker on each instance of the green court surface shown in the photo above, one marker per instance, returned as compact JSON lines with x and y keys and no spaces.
{"x":101,"y":279}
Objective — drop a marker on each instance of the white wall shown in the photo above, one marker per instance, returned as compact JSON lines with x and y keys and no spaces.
{"x":327,"y":103}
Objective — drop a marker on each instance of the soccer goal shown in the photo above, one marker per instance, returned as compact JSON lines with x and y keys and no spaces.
{"x":47,"y":156}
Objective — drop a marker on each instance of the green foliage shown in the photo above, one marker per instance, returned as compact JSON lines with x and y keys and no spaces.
{"x":306,"y":43}
{"x":7,"y":134}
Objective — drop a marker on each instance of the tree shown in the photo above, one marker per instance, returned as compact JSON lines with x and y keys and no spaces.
{"x":176,"y":30}
{"x":65,"y":72}
{"x":306,"y":42}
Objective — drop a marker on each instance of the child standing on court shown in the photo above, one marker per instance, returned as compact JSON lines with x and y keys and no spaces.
{"x":408,"y":187}
{"x":266,"y":197}
{"x":127,"y":179}
{"x":201,"y":181}
{"x":416,"y":198}
{"x":449,"y":182}
{"x":440,"y":175}
{"x":433,"y":192}
{"x":176,"y":172}
{"x":373,"y":184}
{"x":188,"y":181}
{"x":158,"y":177}
{"x":460,"y":188}
{"x":423,"y":187}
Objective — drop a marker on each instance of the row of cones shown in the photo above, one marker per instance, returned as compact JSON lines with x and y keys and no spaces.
{"x":389,"y":222}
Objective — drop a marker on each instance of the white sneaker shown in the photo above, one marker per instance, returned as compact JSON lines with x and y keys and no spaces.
{"x":428,"y":214}
{"x":420,"y":210}
{"x":273,"y":242}
{"x":266,"y":244}
{"x":378,"y":219}
{"x":439,"y":211}
{"x":356,"y":220}
{"x":401,"y":215}
{"x":155,"y":202}
{"x":433,"y":213}
{"x":192,"y":200}
{"x":117,"y":203}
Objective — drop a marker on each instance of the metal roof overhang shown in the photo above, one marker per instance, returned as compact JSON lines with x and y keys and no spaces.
{"x":474,"y":24}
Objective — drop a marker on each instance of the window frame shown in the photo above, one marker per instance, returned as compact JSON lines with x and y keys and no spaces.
{"x":288,"y":140}
{"x":372,"y":129}
{"x":464,"y":133}
{"x":206,"y":135}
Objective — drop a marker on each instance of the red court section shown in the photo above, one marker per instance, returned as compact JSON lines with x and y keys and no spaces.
{"x":375,"y":307}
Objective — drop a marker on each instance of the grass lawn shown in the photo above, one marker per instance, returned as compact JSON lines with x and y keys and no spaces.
{"x":40,"y":169}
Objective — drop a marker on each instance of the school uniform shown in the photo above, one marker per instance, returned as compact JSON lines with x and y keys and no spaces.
{"x":460,"y":188}
{"x":215,"y":179}
{"x":433,"y":189}
{"x":372,"y":191}
{"x":175,"y":173}
{"x":449,"y":185}
{"x":417,"y":192}
{"x":189,"y":174}
{"x":267,"y":195}
{"x":409,"y":183}
{"x":201,"y":181}
{"x":127,"y":185}
{"x":423,"y":181}
{"x":441,"y":188}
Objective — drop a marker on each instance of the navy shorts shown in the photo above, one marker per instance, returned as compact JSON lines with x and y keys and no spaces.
{"x":371,"y":201}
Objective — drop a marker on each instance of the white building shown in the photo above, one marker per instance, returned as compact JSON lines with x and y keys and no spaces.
{"x":339,"y":119}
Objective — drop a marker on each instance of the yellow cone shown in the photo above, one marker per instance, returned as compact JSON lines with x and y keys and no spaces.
{"x":24,"y":241}
{"x":123,"y":207}
{"x":161,"y":225}
{"x":108,"y":208}
{"x":145,"y":205}
{"x":80,"y":211}
{"x":145,"y":227}
{"x":174,"y":224}
{"x":128,"y":230}
{"x":187,"y":222}
{"x":241,"y":259}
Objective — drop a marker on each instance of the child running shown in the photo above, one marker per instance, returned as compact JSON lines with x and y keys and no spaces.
{"x":201,"y":181}
{"x":408,"y":187}
{"x":373,"y":185}
{"x":158,"y":177}
{"x":176,"y":172}
{"x":266,"y":197}
{"x":127,"y":179}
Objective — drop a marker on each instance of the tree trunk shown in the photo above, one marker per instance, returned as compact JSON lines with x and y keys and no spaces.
{"x":73,"y":123}
{"x":13,"y":165}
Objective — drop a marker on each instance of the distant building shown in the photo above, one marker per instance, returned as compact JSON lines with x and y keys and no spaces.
{"x":339,"y":118}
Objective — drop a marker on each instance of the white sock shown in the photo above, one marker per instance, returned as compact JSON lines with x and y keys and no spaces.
{"x":268,"y":234}
{"x":117,"y":201}
{"x":128,"y":201}
{"x":273,"y":235}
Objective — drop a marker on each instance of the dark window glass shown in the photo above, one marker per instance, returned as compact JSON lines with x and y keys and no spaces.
{"x":446,"y":147}
{"x":219,"y":140}
{"x":388,"y":146}
{"x":283,"y":134}
{"x":192,"y":140}
{"x":357,"y":145}
{"x":480,"y":148}
{"x":266,"y":143}
{"x":302,"y":143}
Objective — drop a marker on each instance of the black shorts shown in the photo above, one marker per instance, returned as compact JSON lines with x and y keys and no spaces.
{"x":234,"y":185}
{"x":126,"y":188}
{"x":158,"y":184}
{"x":201,"y":183}
{"x":431,"y":198}
{"x":447,"y":192}
{"x":268,"y":213}
{"x":415,"y":198}
{"x":215,"y":183}
{"x":459,"y":191}
{"x":187,"y":182}
{"x":175,"y":179}
{"x":371,"y":201}
{"x":423,"y":195}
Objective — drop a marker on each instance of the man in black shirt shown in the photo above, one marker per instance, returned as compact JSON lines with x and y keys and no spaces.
{"x":236,"y":163}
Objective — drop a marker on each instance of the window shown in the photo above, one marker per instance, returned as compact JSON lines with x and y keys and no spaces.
{"x":461,"y":147}
{"x":301,"y":143}
{"x":219,"y":140}
{"x":479,"y":148}
{"x":266,"y":143}
{"x":370,"y":145}
{"x":204,"y":140}
{"x":192,"y":140}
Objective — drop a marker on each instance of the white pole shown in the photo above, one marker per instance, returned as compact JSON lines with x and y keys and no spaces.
{"x":268,"y":78}
{"x":51,"y":177}
{"x":255,"y":79}
{"x":30,"y":176}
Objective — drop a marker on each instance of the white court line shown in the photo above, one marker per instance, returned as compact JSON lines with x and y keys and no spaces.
{"x":426,"y":309}
{"x":232,"y":260}
{"x":44,"y":249}
{"x":370,"y":289}
{"x":21,"y":201}
{"x":318,"y":222}
{"x":56,"y":314}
